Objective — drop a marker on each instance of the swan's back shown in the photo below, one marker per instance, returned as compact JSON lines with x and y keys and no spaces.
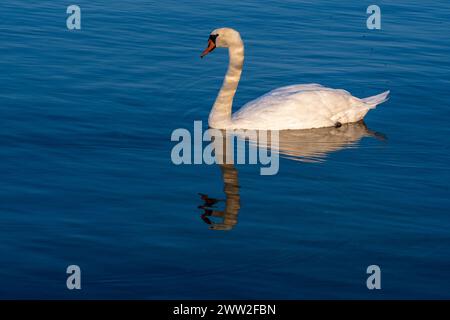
{"x":301,"y":107}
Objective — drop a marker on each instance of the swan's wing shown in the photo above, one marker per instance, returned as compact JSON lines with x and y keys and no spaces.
{"x":298,"y":107}
{"x":295,"y":88}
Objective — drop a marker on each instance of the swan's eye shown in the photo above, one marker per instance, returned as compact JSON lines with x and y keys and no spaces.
{"x":213,"y":38}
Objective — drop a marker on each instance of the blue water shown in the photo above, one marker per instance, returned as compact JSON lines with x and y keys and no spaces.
{"x":86,"y":175}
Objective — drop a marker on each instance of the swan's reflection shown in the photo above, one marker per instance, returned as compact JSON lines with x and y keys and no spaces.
{"x":227,"y":216}
{"x":314,"y":145}
{"x":311,"y":145}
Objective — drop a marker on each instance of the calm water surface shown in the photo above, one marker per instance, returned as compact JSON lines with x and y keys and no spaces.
{"x":86,"y":175}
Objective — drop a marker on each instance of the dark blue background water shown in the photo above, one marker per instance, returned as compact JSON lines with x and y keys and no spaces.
{"x":87,"y":179}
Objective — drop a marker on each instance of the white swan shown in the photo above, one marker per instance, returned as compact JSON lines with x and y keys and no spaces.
{"x":301,"y":106}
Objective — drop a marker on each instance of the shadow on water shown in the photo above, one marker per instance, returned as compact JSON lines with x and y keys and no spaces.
{"x":311,"y":145}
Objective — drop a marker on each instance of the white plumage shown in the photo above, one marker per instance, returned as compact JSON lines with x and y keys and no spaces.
{"x":301,"y":106}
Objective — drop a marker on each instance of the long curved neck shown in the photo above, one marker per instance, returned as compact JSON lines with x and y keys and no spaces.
{"x":220,"y":116}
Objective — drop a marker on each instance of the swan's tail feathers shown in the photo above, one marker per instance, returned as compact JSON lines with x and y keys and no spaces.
{"x":373,"y":101}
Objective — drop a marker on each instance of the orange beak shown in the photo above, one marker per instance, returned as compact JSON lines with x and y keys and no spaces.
{"x":211,"y":47}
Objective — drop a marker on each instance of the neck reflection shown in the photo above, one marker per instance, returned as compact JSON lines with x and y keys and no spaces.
{"x":228,"y":217}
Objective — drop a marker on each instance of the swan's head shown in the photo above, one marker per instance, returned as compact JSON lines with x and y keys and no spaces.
{"x":222,"y":38}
